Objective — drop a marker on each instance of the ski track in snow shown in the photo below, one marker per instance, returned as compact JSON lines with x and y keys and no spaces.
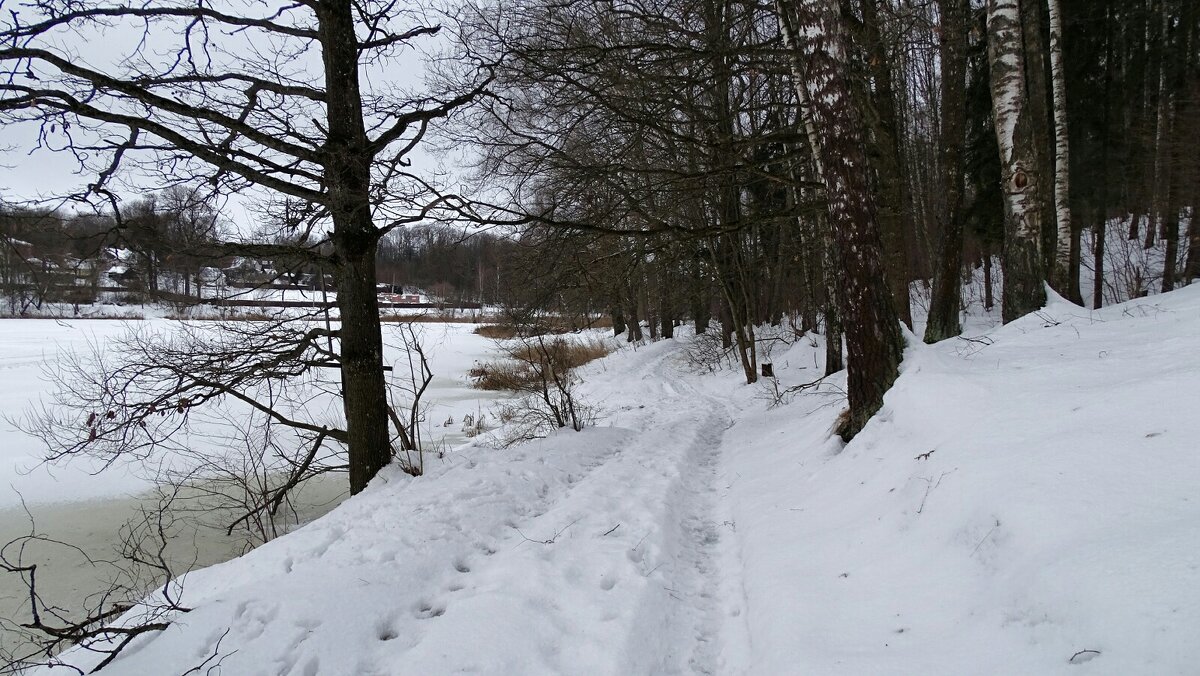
{"x":692,"y":618}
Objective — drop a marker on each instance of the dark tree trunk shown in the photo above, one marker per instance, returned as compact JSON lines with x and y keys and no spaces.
{"x":836,"y":132}
{"x":355,"y":239}
{"x":666,"y":310}
{"x":834,"y":361}
{"x":1191,"y":271}
{"x":635,"y":325}
{"x":701,"y":313}
{"x":894,"y":214}
{"x":1074,"y":292}
{"x":945,"y":301}
{"x":618,"y":318}
{"x":1038,"y":126}
{"x":989,"y":299}
{"x":1171,"y":234}
{"x":726,"y":326}
{"x":648,"y":311}
{"x":1181,"y":57}
{"x":1100,"y":230}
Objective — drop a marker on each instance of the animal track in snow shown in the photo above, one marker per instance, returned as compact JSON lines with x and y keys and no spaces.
{"x":427,"y":610}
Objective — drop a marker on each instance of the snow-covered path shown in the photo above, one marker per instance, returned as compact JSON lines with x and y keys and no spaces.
{"x":584,"y":553}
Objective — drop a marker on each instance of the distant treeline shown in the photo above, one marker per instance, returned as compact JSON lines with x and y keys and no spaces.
{"x":166,"y":247}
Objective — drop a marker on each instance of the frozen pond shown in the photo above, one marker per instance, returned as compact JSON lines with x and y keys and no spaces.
{"x":72,"y":504}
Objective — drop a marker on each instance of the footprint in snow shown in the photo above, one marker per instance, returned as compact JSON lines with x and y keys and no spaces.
{"x":426,"y":610}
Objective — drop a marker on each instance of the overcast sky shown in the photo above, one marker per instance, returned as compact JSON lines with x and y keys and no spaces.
{"x":26,"y":173}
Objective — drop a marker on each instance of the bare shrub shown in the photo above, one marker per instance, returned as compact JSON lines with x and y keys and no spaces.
{"x":706,"y":352}
{"x":529,"y":362}
{"x":543,"y":371}
{"x":408,"y":383}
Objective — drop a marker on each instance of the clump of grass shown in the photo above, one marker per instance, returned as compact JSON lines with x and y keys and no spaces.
{"x":235,"y":316}
{"x":430,"y":318}
{"x":531,"y":363}
{"x":497,"y":331}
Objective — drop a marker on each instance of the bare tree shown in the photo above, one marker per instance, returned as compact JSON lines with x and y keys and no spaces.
{"x":265,"y":100}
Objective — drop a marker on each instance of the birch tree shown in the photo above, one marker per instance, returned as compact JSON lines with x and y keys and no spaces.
{"x":1063,"y":272}
{"x":1024,"y":289}
{"x":813,"y":32}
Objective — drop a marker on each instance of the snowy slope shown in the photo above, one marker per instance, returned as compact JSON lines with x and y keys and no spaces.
{"x":1055,"y":513}
{"x":700,"y":531}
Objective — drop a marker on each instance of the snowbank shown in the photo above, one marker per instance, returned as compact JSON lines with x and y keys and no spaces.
{"x":1021,"y":498}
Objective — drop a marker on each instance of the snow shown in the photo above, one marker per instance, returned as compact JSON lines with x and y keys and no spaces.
{"x":1054,"y":513}
{"x":1023,"y":496}
{"x":30,"y":344}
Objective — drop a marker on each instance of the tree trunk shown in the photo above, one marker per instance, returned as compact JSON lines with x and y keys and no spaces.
{"x":701,"y":312}
{"x":1162,"y":152}
{"x":648,"y":312}
{"x":1064,"y":240}
{"x":1024,"y":291}
{"x":726,"y":319}
{"x":666,"y":310}
{"x":1171,"y":234}
{"x":894,"y":215}
{"x":834,"y":360}
{"x":1100,"y":231}
{"x":635,"y":322}
{"x":355,"y":239}
{"x":618,"y":319}
{"x":989,"y":300}
{"x":945,"y":302}
{"x":1191,"y":271}
{"x":835,"y":131}
{"x":1074,"y":291}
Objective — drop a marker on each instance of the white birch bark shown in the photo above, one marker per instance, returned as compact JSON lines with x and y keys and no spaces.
{"x":1163,"y":115}
{"x":1062,"y":164}
{"x":1024,"y":279}
{"x":819,"y":50}
{"x":1006,"y":57}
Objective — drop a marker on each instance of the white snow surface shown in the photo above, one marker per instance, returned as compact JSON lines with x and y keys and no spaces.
{"x":1022,"y":497}
{"x":32,"y":345}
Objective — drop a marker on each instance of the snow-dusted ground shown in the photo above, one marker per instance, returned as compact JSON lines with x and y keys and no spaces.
{"x":1025,"y":503}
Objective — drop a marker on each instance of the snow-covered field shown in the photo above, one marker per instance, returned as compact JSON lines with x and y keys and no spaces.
{"x":27,"y":345}
{"x":1025,"y":503}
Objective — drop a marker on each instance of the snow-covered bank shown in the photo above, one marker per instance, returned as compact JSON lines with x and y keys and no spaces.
{"x":1021,"y":498}
{"x":1025,"y":499}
